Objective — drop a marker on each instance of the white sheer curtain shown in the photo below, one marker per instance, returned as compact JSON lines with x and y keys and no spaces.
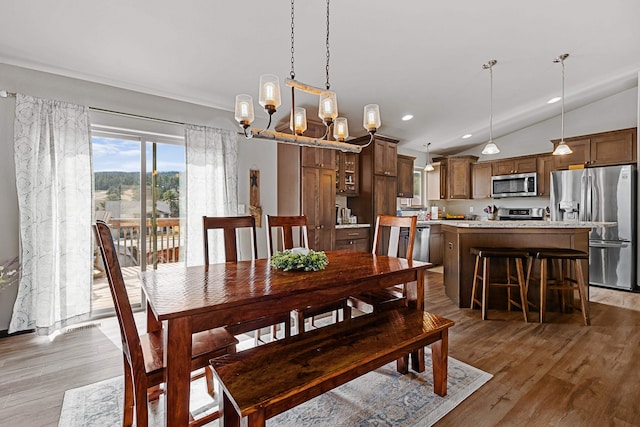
{"x":211,"y":188}
{"x":53,"y":177}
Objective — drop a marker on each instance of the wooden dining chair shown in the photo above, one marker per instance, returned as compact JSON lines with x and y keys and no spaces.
{"x":285,"y":225}
{"x":394,"y":296}
{"x":229,"y":227}
{"x":144,"y":367}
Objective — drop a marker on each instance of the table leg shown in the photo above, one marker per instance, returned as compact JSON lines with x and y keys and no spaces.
{"x":415,"y":298}
{"x":177,"y":356}
{"x":152,"y":323}
{"x":439,"y":358}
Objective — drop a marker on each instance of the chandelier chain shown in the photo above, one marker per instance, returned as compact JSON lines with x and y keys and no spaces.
{"x":328,"y":85}
{"x":292,"y":73}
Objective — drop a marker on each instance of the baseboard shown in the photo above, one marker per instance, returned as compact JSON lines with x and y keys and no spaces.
{"x":5,"y":333}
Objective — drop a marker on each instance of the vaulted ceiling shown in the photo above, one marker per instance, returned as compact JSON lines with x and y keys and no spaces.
{"x":411,"y":57}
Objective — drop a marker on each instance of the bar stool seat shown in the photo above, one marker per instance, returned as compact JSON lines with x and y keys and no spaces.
{"x":484,"y":255}
{"x":564,"y":258}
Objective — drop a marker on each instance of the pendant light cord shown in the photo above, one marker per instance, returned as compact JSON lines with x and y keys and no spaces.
{"x":327,"y":84}
{"x":491,"y":103}
{"x":562,"y":105}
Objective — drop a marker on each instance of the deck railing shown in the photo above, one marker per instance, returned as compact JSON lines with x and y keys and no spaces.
{"x":128,"y":240}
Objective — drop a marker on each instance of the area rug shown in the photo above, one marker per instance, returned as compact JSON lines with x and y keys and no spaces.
{"x":379,"y":398}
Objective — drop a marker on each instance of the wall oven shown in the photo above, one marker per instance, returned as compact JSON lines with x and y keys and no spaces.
{"x":517,"y":185}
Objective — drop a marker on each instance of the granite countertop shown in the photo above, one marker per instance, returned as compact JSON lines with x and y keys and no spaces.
{"x":340,"y":226}
{"x":519,"y":224}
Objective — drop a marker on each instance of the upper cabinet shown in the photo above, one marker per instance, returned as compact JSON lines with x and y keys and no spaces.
{"x":514,"y":165}
{"x":323,"y":158}
{"x":385,"y":155}
{"x":405,"y":176}
{"x":546,"y":165}
{"x":455,"y":176}
{"x":481,"y":180}
{"x":616,"y":147}
{"x":346,"y":174}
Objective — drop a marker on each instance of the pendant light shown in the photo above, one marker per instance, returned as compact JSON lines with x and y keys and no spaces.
{"x":562,"y":148}
{"x":490,"y":147}
{"x":429,"y":166}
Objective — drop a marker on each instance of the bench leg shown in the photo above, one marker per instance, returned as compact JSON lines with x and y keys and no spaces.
{"x":439,"y":357}
{"x":417,"y":360}
{"x":402,"y":365}
{"x":228,"y":415}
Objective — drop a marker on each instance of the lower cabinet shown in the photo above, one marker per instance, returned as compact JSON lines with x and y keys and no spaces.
{"x":354,"y":239}
{"x":436,"y":245}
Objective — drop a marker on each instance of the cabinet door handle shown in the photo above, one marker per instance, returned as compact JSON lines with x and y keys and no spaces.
{"x":352,"y":234}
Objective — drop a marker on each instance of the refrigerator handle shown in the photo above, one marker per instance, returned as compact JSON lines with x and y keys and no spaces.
{"x":582,"y":209}
{"x":589,"y":191}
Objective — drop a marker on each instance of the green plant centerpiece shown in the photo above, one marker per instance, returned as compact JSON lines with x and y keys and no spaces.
{"x":299,"y":259}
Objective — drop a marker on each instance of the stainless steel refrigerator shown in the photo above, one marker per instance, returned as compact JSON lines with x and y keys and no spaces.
{"x":601,"y":194}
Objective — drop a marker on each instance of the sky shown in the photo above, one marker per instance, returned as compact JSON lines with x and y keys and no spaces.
{"x":119,"y":155}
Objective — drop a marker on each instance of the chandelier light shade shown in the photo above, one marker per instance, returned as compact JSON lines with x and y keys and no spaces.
{"x":490,"y":147}
{"x":562,"y":148}
{"x":328,"y":107}
{"x":340,"y":129}
{"x":244,"y":110}
{"x":298,"y":122}
{"x":371,"y":118}
{"x":269,"y":93}
{"x":429,"y":167}
{"x":269,"y":99}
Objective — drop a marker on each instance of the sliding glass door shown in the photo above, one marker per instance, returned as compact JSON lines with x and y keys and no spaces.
{"x":137,"y":180}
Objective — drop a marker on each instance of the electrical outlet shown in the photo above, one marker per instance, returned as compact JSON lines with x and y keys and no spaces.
{"x":241,"y":210}
{"x":470,"y":209}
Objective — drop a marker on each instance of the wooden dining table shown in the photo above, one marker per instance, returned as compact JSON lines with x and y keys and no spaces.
{"x":185,"y":300}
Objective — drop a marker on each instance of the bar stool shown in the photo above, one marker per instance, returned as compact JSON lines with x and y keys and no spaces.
{"x":484,"y":255}
{"x":563,"y":282}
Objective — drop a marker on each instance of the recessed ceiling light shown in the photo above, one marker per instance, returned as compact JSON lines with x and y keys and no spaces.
{"x":554,"y":100}
{"x":407,"y":117}
{"x":466,"y":136}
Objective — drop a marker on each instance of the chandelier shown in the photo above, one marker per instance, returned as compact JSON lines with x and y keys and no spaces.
{"x":269,"y":99}
{"x":491,"y":147}
{"x":562,"y":148}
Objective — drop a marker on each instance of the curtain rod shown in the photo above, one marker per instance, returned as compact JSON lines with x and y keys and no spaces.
{"x":7,"y":94}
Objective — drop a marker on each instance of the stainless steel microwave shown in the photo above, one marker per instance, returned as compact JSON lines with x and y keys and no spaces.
{"x":517,"y":185}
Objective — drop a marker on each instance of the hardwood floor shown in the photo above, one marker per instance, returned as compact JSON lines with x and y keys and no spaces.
{"x":559,"y":373}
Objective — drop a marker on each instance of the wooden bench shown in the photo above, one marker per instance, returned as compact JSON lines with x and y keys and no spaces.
{"x":265,"y":381}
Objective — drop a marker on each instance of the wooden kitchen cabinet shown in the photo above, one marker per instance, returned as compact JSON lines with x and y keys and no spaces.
{"x":436,"y":239}
{"x":346,"y":174}
{"x":481,"y":180}
{"x":309,"y":191}
{"x":377,"y":185}
{"x":318,"y":205}
{"x":514,"y":165}
{"x":546,"y":165}
{"x":617,"y":147}
{"x":458,"y":171}
{"x":405,"y":176}
{"x":353,"y":239}
{"x":385,"y":156}
{"x":318,"y":157}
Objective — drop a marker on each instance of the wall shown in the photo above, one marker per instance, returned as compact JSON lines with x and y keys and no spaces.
{"x":262,"y":155}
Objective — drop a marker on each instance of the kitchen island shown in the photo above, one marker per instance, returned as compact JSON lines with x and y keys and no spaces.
{"x":461,"y":236}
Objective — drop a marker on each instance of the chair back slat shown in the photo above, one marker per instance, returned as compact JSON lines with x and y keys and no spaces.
{"x":286,"y":224}
{"x":229,"y":225}
{"x":395,"y":223}
{"x":131,"y":346}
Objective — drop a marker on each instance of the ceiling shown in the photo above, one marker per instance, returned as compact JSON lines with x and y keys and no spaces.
{"x":411,"y":57}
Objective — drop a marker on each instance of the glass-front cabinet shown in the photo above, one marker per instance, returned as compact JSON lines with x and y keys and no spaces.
{"x":346,"y":174}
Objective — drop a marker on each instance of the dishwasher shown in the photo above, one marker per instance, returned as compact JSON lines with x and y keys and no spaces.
{"x":421,"y":243}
